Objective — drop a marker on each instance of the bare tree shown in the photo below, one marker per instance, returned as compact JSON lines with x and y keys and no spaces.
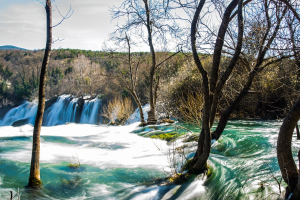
{"x":34,"y":178}
{"x":118,"y":110}
{"x":285,"y":158}
{"x":235,"y":46}
{"x":150,"y":18}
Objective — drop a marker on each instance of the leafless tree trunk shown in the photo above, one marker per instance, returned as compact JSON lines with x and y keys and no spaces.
{"x":34,"y":178}
{"x":131,"y":89}
{"x":259,"y":66}
{"x":211,"y":101}
{"x":151,"y":114}
{"x":285,"y":158}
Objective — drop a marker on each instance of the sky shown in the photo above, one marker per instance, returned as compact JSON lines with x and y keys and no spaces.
{"x":23,"y":24}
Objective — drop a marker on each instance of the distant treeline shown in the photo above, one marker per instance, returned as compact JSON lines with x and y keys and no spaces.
{"x":97,"y":73}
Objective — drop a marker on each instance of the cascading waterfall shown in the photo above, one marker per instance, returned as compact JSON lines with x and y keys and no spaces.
{"x":26,"y":112}
{"x":64,"y":110}
{"x":90,"y":110}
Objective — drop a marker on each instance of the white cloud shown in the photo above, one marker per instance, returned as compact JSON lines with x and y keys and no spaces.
{"x":24,"y":24}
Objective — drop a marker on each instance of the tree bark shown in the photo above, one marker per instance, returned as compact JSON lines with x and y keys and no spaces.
{"x":285,"y":158}
{"x":204,"y":145}
{"x":34,"y":178}
{"x":137,"y":101}
{"x":132,"y":84}
{"x":217,"y":91}
{"x":151,"y":114}
{"x":297,"y":132}
{"x":218,"y":48}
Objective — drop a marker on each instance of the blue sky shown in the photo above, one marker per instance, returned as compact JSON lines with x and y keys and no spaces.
{"x":23,"y":23}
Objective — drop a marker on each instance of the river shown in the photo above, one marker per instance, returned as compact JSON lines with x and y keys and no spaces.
{"x":122,"y":162}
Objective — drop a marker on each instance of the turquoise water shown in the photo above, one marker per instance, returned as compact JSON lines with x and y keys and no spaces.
{"x":124,"y":163}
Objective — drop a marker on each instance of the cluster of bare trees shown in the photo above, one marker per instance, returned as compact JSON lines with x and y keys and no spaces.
{"x":246,"y":38}
{"x":253,"y":35}
{"x":118,"y":110}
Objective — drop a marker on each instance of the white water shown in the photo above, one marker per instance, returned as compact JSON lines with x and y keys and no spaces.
{"x":135,"y":117}
{"x":100,"y":146}
{"x":112,"y":149}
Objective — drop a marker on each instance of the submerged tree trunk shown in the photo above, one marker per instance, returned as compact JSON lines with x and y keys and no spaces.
{"x":34,"y":178}
{"x":285,"y":158}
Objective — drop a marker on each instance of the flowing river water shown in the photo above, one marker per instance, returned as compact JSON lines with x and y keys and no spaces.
{"x":122,"y":162}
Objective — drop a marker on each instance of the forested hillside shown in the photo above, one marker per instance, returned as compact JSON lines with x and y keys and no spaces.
{"x":105,"y":74}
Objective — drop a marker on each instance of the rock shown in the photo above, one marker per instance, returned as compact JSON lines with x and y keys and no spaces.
{"x":20,"y":122}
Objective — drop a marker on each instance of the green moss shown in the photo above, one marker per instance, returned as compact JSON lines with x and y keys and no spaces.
{"x":189,"y":164}
{"x":179,"y":178}
{"x":73,"y":165}
{"x":209,"y":171}
{"x":34,"y":182}
{"x":165,"y":136}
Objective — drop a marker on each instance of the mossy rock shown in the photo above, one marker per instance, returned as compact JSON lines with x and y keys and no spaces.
{"x":20,"y":122}
{"x":179,"y":178}
{"x":142,"y":124}
{"x":192,"y":138}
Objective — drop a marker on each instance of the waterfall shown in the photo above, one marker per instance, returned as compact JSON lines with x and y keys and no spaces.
{"x":25,"y":112}
{"x":66,"y":109}
{"x":90,"y":110}
{"x":135,"y":117}
{"x":61,"y":112}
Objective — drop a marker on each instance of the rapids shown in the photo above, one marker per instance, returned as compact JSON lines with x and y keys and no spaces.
{"x":123,"y":162}
{"x":119,"y":162}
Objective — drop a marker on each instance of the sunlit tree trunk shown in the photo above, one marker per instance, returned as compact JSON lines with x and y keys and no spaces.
{"x":34,"y":178}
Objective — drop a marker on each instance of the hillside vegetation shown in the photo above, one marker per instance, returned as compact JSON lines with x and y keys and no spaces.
{"x":95,"y":73}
